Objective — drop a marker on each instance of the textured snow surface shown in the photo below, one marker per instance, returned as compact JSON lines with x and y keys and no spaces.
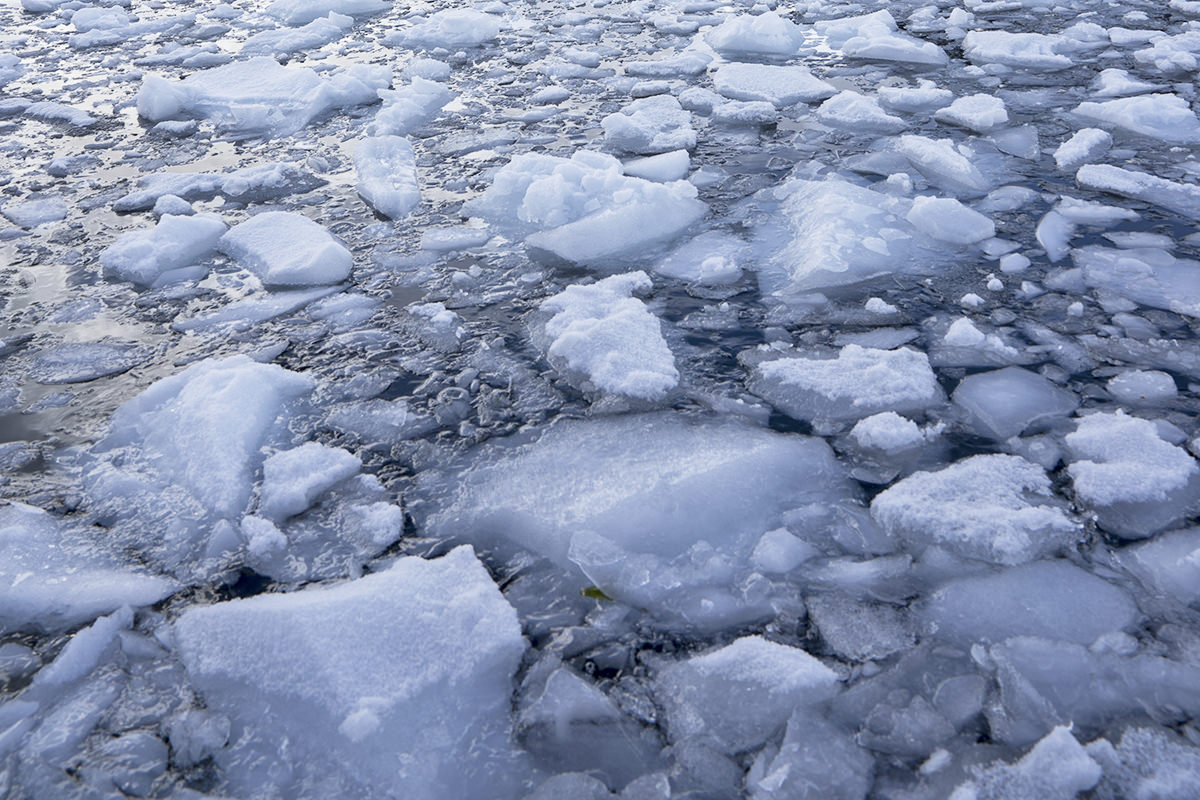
{"x":612,"y":400}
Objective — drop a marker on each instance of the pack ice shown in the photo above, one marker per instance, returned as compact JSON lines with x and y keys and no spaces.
{"x":612,"y":400}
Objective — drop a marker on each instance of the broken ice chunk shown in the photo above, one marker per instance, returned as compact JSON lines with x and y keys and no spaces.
{"x":1168,"y":564}
{"x":977,"y":112}
{"x":853,"y":111}
{"x":740,"y":694}
{"x":453,"y":28}
{"x":1182,"y":198}
{"x":1137,"y":483}
{"x":995,"y":508}
{"x":1004,"y":403}
{"x":1057,"y":766}
{"x":1083,"y":147}
{"x":287,"y":249}
{"x":583,"y":209}
{"x":1031,"y":51}
{"x":1166,"y":117}
{"x":1050,"y":599}
{"x":657,"y":124}
{"x":387,"y":175}
{"x":605,"y":333}
{"x":656,"y":509}
{"x":175,"y":242}
{"x":31,"y":213}
{"x":258,"y":97}
{"x":302,"y":12}
{"x":392,"y":681}
{"x":947,"y":220}
{"x":409,"y":107}
{"x":765,"y":35}
{"x":53,"y":579}
{"x":857,"y":383}
{"x":1143,"y":387}
{"x":817,"y":761}
{"x":1147,"y":275}
{"x":780,"y":86}
{"x":712,"y":258}
{"x":292,"y":479}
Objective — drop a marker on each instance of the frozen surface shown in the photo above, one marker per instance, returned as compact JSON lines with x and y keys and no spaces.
{"x":258,"y":97}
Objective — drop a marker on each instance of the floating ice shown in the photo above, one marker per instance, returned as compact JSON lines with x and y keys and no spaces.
{"x":1083,"y":147}
{"x":1057,"y":766}
{"x":1146,"y":275}
{"x":196,"y":438}
{"x":947,"y":220}
{"x":712,"y":258}
{"x":292,"y":479}
{"x":78,"y":362}
{"x":387,"y":174}
{"x":287,"y":249}
{"x":857,"y":383}
{"x":834,"y":233}
{"x":857,"y":112}
{"x":663,"y":168}
{"x":780,"y":86}
{"x":409,"y":107}
{"x":452,"y":28}
{"x":252,"y":184}
{"x":766,"y":35}
{"x":146,"y":257}
{"x":1161,"y":116}
{"x":31,"y":213}
{"x":996,"y":508}
{"x":1006,"y":402}
{"x":609,"y":336}
{"x":1032,"y":51}
{"x":1137,"y":483}
{"x":650,"y":125}
{"x":877,"y":37}
{"x":302,"y":12}
{"x":319,"y":32}
{"x":391,"y":681}
{"x":943,"y":164}
{"x":741,"y":693}
{"x":656,"y":510}
{"x":977,"y":112}
{"x":52,"y":578}
{"x":1049,"y":599}
{"x":1182,"y":198}
{"x":583,"y":209}
{"x":258,"y":97}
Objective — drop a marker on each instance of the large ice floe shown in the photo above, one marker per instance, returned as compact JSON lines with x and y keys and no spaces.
{"x":609,"y":400}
